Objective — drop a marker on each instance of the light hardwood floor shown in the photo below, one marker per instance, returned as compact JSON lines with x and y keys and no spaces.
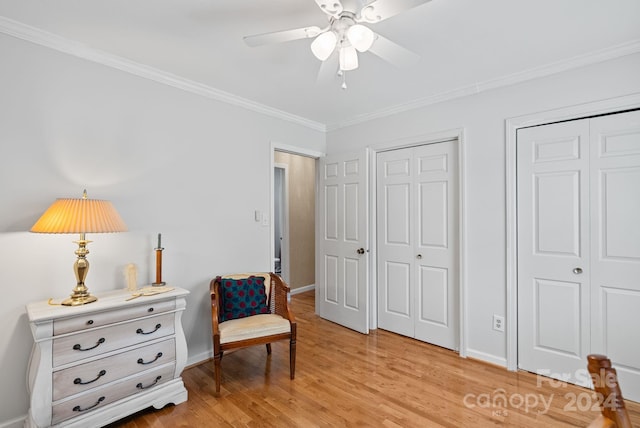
{"x":344,"y":378}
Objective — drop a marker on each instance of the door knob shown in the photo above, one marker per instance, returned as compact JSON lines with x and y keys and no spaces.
{"x":419,"y":256}
{"x":577,"y":271}
{"x":360,"y":251}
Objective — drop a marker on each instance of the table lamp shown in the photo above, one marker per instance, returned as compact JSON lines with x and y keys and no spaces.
{"x":80,"y":216}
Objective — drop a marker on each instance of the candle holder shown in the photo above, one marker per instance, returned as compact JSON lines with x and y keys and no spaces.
{"x":159,"y":282}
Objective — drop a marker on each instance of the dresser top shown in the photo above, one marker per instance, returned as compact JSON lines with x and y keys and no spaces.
{"x":43,"y":311}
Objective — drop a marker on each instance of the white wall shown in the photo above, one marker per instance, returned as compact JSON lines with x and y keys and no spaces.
{"x":482,"y":117}
{"x":173,"y":162}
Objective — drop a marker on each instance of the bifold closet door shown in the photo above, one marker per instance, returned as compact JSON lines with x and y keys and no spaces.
{"x":615,"y":245}
{"x":417,"y":234}
{"x":579,"y":247}
{"x":553,"y":249}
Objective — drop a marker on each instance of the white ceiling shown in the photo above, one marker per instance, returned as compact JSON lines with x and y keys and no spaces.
{"x":465,"y":46}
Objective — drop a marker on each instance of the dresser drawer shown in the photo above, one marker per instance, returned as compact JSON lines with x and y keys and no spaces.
{"x":97,"y":341}
{"x":85,"y":322}
{"x":100,"y":397}
{"x":82,"y":377}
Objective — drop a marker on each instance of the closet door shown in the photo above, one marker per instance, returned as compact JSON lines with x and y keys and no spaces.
{"x":615,"y":245}
{"x":396,"y":241}
{"x":417,"y":212}
{"x":553,"y":249}
{"x":579,"y":248}
{"x":436,"y":218}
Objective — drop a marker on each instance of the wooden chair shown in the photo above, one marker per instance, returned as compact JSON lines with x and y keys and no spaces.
{"x":260,"y":329}
{"x":605,"y":382}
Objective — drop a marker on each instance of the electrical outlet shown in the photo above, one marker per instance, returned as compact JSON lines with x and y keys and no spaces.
{"x":498,"y":323}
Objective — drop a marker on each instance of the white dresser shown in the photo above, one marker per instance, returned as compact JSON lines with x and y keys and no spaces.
{"x":94,"y":364}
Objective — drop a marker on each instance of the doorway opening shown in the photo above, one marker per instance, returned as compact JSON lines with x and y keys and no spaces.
{"x":294,"y":214}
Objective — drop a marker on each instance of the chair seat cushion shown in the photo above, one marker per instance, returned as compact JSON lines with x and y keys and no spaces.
{"x":252,"y":327}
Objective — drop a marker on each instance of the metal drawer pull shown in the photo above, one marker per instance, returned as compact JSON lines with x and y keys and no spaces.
{"x":78,"y":381}
{"x":141,"y":361}
{"x":78,"y":347}
{"x":140,"y":331}
{"x":80,"y":409}
{"x":139,"y":386}
{"x":150,"y":310}
{"x":90,"y":322}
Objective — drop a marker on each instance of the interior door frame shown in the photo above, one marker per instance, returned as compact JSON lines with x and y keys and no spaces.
{"x":284,"y":244}
{"x":295,"y":150}
{"x":419,"y":140}
{"x":512,"y":125}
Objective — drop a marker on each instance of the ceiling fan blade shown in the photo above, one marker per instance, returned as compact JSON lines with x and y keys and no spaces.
{"x":328,"y":69}
{"x":393,"y":53}
{"x":331,"y":7}
{"x":380,"y":10}
{"x":282,"y":36}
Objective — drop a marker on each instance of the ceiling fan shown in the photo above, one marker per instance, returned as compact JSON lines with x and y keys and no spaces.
{"x":337,"y":45}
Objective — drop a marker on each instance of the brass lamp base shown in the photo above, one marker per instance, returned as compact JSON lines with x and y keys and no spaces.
{"x":78,"y":300}
{"x":80,"y":295}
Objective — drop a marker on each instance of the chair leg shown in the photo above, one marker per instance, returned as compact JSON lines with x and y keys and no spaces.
{"x":268,"y":349}
{"x":218,"y":376}
{"x":292,"y":359}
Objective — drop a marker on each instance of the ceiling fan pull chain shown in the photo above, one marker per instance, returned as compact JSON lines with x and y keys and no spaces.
{"x":344,"y":80}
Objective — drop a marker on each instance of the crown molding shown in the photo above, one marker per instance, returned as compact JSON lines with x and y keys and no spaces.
{"x":80,"y":50}
{"x":602,"y":55}
{"x":44,"y":38}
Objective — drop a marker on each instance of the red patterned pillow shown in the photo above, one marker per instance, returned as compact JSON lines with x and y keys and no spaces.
{"x":242,"y":297}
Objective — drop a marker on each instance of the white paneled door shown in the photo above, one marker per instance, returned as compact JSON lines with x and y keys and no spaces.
{"x":343,"y":241}
{"x":579,"y":247}
{"x":553,"y":249}
{"x":417,"y":235}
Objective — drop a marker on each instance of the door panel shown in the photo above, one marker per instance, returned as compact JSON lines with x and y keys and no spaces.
{"x":433,"y":215}
{"x":434,"y":295}
{"x":553,"y":240}
{"x":615,"y":245}
{"x":398,"y":298}
{"x":559,"y":334}
{"x":342,"y":272}
{"x":557,"y":213}
{"x":436,"y":186}
{"x":397,"y":212}
{"x":395,"y":203}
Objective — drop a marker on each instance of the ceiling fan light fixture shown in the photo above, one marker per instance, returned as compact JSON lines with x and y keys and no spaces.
{"x":360,"y":37}
{"x":370,"y":14}
{"x":348,"y":58}
{"x":323,"y":45}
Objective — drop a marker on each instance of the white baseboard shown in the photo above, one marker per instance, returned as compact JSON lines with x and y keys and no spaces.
{"x":14,"y":423}
{"x":489,"y":358}
{"x":193,"y":360}
{"x":304,"y":289}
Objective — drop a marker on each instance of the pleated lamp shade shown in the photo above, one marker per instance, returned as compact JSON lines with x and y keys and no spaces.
{"x":80,"y":216}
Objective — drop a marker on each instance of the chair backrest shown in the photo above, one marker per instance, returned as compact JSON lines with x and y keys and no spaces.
{"x":605,"y":383}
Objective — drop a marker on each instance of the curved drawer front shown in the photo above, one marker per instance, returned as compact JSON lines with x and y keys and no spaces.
{"x":100,"y":340}
{"x":85,"y":322}
{"x":100,"y":397}
{"x":82,"y":377}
